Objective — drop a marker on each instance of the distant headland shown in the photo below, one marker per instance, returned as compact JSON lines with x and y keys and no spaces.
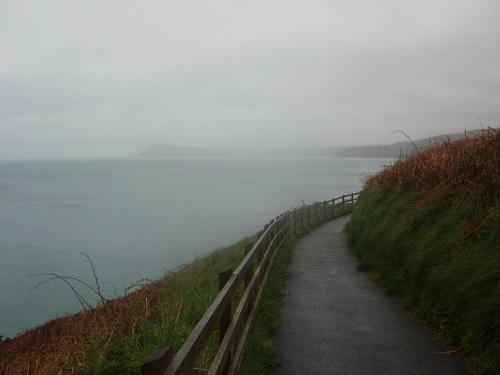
{"x":369,"y":151}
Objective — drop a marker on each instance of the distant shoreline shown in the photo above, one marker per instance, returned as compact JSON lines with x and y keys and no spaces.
{"x":391,"y":151}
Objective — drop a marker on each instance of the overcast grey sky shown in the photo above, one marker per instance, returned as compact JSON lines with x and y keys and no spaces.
{"x":108,"y":78}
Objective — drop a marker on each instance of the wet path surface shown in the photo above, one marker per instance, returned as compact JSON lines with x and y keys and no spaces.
{"x":335,"y":320}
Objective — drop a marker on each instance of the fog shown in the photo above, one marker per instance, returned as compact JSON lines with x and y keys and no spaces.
{"x":106,"y":79}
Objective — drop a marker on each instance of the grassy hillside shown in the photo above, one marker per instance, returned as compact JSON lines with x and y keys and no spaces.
{"x":394,"y":150}
{"x":428,"y":227}
{"x":116,"y":336}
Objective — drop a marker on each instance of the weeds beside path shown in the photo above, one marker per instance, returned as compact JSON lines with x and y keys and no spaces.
{"x":428,"y":228}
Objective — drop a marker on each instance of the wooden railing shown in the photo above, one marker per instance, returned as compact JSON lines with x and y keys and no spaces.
{"x":253,"y":271}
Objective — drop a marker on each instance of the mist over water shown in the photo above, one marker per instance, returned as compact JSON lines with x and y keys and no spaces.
{"x":139,"y":218}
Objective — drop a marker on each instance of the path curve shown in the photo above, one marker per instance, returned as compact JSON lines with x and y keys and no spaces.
{"x":335,"y":320}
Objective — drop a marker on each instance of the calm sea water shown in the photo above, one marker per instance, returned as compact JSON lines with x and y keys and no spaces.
{"x":139,"y":218}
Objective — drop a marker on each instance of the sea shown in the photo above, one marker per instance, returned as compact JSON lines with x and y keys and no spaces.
{"x":128,"y":220}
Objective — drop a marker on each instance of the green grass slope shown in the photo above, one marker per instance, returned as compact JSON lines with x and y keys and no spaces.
{"x":428,"y":227}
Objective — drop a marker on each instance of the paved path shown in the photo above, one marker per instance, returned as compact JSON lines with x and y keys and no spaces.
{"x":335,"y":320}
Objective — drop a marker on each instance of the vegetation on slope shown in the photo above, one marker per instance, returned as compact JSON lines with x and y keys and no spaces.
{"x":117,"y":336}
{"x":428,"y":227}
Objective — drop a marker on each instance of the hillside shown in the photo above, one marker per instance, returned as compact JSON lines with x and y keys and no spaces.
{"x":396,"y":149}
{"x":391,"y":151}
{"x":115,"y":336}
{"x":427,"y":228}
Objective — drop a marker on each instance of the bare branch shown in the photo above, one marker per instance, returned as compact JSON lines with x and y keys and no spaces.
{"x":99,"y":293}
{"x":80,"y":298}
{"x":406,"y":135}
{"x":86,"y":305}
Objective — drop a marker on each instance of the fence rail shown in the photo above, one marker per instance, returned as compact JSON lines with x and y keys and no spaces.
{"x":253,"y":271}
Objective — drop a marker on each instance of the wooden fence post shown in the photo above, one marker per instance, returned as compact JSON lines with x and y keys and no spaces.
{"x":227,"y":315}
{"x":280,"y":227}
{"x":261,"y":250}
{"x":283,"y":225}
{"x":248,"y":275}
{"x":221,"y":310}
{"x":157,"y":362}
{"x":288,"y":224}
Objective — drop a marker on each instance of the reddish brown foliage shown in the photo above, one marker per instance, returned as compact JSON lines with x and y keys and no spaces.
{"x":58,"y":346}
{"x":469,"y":166}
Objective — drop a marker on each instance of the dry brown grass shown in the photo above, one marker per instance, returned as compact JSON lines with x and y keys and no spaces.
{"x":467,"y":170}
{"x":429,"y":227}
{"x":59,"y":346}
{"x":469,"y":166}
{"x":120,"y":333}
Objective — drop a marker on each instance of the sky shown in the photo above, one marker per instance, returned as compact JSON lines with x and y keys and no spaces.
{"x":107,"y":78}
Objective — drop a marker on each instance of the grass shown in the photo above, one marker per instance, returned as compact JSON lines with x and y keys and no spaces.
{"x":427,"y":227}
{"x":116,"y":336}
{"x":262,"y":352}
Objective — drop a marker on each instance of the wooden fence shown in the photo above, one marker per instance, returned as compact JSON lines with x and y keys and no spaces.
{"x":253,"y":271}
